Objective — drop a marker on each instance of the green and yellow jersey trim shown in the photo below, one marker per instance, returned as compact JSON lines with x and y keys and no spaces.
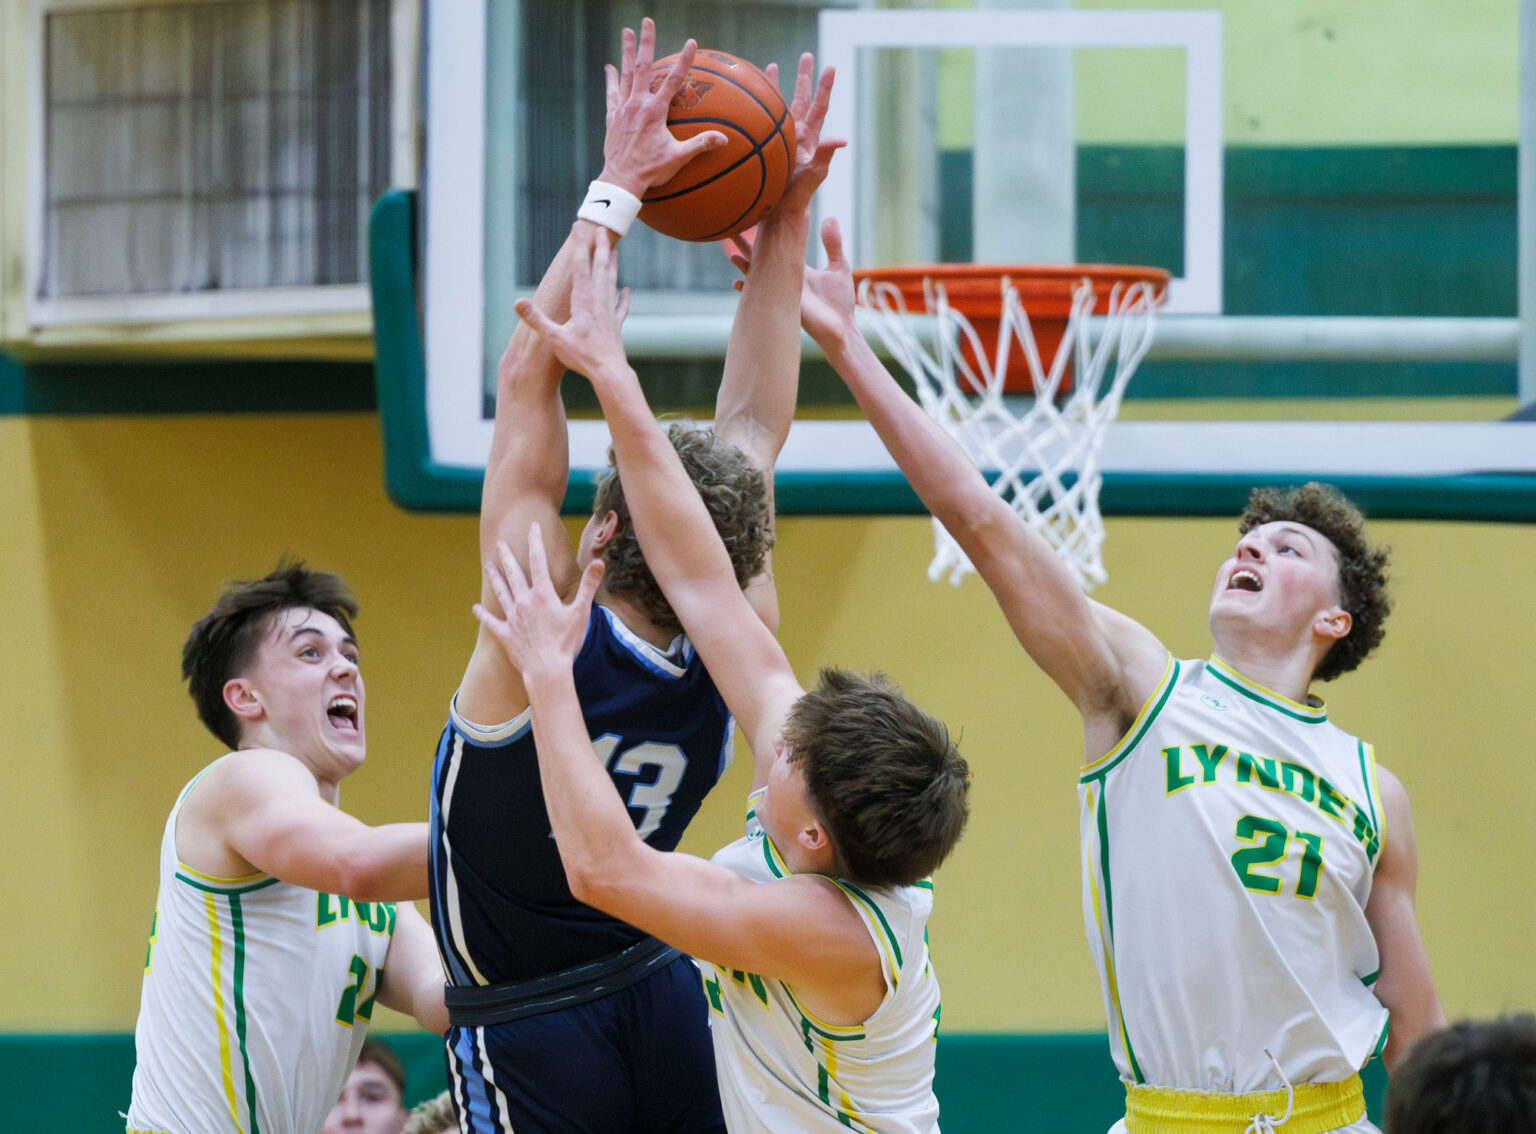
{"x":1103,"y":917}
{"x":776,"y":864}
{"x":231,"y":886}
{"x":1306,"y":714}
{"x":1381,"y":1043}
{"x":1149,"y":710}
{"x":1373,"y":793}
{"x":886,"y":939}
{"x":235,"y":1011}
{"x":812,"y":1024}
{"x":826,"y":1075}
{"x":752,"y":801}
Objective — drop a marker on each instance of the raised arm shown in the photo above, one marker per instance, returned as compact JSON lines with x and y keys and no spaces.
{"x":525,"y":481}
{"x":1403,"y":982}
{"x":1104,"y":662}
{"x":528,"y":467}
{"x":260,"y":810}
{"x":800,"y":930}
{"x":681,"y":545}
{"x":756,"y":402}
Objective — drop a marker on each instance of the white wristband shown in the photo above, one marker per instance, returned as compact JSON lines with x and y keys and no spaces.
{"x":609,"y":205}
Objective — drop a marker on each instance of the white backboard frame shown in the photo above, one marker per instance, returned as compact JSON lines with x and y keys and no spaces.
{"x":837,"y":465}
{"x":846,"y":34}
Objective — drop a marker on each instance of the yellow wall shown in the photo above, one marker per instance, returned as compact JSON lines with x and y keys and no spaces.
{"x":118,"y":531}
{"x":1322,"y":73}
{"x":1298,"y":73}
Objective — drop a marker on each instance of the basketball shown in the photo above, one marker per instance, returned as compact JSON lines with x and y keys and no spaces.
{"x":726,"y":190}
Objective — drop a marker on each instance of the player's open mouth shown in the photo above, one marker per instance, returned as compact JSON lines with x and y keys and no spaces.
{"x":342,"y":712}
{"x":1245,"y":580}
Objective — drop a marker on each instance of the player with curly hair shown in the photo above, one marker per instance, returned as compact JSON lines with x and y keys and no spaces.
{"x":564,"y":1017}
{"x":824,"y":1000}
{"x":1248,"y":868}
{"x":1474,"y":1077}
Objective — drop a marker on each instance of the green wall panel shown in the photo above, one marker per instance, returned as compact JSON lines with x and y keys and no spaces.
{"x":226,"y":386}
{"x":1047,"y":1084}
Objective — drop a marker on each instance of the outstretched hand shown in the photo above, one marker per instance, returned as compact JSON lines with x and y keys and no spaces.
{"x":540,"y":633}
{"x":813,"y":156}
{"x":638,"y":150}
{"x":589,"y":342}
{"x":827,"y":294}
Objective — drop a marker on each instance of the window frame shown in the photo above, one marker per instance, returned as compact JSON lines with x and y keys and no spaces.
{"x":324,"y":308}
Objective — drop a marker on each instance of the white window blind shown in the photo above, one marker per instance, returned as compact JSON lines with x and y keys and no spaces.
{"x":195,"y":148}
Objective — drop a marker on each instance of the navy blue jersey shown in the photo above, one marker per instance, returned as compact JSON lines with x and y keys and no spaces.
{"x":501,"y":907}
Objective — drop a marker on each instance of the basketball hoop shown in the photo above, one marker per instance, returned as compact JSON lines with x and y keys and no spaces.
{"x":998,"y":329}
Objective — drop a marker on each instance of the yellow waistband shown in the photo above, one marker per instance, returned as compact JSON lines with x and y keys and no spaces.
{"x":1315,"y":1109}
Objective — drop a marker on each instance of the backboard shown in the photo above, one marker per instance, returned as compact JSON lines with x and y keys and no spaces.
{"x":1337,"y":209}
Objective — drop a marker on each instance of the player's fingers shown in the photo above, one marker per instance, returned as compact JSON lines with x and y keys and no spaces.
{"x":540,"y":322}
{"x":581,"y":266}
{"x":626,"y":78}
{"x":832,"y":241}
{"x":772,"y":71}
{"x":511,"y":568}
{"x":495,"y":625}
{"x":674,"y":79}
{"x":605,"y":265}
{"x":701,"y":144}
{"x":504,"y":599}
{"x":621,"y":308}
{"x":538,"y":562}
{"x":818,"y":112}
{"x":590,"y":579}
{"x":803,"y":75}
{"x":611,"y":90}
{"x":645,"y":51}
{"x":821,"y":160}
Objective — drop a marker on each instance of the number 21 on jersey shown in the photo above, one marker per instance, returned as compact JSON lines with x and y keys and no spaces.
{"x":1271,"y":843}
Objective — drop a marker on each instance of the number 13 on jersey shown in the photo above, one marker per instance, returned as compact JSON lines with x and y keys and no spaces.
{"x":654,"y":797}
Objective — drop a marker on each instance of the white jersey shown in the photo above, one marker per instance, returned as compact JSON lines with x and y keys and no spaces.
{"x":1228,"y":842}
{"x":782,"y":1071}
{"x":256,"y":998}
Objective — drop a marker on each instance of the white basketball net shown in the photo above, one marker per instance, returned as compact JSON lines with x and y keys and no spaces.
{"x":1046,"y":456}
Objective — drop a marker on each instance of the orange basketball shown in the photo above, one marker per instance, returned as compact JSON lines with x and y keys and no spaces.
{"x":726,"y":190}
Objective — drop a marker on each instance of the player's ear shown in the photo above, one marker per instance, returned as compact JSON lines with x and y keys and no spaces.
{"x":243,"y":700}
{"x":1335,"y":622}
{"x":814,"y":837}
{"x":604,"y":531}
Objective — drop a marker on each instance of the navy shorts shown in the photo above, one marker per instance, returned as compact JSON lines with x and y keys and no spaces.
{"x":635,"y":1061}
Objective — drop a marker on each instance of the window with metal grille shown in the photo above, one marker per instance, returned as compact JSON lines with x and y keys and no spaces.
{"x":209,"y":147}
{"x":545,"y":114}
{"x":552,"y":117}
